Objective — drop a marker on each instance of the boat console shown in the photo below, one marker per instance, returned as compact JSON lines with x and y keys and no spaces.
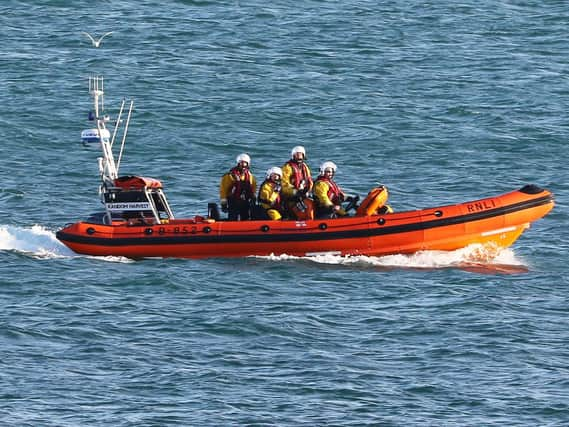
{"x":137,"y":200}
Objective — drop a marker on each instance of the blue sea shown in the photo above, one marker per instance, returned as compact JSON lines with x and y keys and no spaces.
{"x":441,"y":101}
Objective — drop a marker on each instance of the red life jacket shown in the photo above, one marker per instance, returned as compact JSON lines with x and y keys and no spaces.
{"x":242,"y":184}
{"x":300,"y":173}
{"x":335,"y":195}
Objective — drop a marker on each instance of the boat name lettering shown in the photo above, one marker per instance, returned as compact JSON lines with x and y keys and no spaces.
{"x":128,"y":206}
{"x":481,"y":206}
{"x":177,"y":230}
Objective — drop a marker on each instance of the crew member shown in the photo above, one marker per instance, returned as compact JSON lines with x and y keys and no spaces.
{"x":328,"y":196}
{"x":270,"y":193}
{"x":297,"y":180}
{"x":237,"y":190}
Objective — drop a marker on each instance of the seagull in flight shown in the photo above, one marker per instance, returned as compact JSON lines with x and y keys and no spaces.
{"x":96,"y":43}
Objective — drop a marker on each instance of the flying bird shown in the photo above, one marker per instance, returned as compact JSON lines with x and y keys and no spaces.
{"x":96,"y":43}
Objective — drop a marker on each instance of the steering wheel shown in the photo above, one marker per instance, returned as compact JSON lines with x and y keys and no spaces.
{"x":352,"y":203}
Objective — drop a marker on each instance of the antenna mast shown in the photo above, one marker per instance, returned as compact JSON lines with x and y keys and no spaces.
{"x":108,"y":168}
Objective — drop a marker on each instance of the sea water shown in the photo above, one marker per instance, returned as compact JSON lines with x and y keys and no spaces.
{"x":442,"y":102}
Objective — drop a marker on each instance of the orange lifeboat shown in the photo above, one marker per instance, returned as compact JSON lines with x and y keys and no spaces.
{"x":137,"y":221}
{"x":496,"y":220}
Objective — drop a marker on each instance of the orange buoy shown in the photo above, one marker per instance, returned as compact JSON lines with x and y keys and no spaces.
{"x":375,"y":199}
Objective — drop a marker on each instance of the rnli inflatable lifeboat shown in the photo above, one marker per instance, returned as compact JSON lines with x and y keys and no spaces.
{"x":138,"y":224}
{"x":137,"y":221}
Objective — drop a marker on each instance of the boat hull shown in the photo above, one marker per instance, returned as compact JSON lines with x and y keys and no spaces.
{"x":496,"y":221}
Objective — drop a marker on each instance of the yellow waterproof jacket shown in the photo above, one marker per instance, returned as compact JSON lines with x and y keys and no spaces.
{"x":321,"y":198}
{"x":270,"y":196}
{"x":327,"y":194}
{"x":294,"y":177}
{"x":235,"y":184}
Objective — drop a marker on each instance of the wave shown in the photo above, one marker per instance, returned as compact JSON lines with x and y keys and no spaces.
{"x":476,"y":258}
{"x":39,"y":242}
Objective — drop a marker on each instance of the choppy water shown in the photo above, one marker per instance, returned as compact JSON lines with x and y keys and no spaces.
{"x":441,"y":101}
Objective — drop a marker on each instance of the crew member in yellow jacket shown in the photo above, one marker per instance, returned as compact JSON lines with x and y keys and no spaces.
{"x":296,"y":180}
{"x":237,"y":189}
{"x":328,"y":196}
{"x":270,"y":194}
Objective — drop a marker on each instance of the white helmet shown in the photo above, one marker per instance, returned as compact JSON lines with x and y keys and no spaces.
{"x":327,"y":165}
{"x":297,"y":149}
{"x":243,"y":158}
{"x":274,"y":170}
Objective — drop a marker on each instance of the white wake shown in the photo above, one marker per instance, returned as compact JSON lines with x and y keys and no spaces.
{"x":474,"y":257}
{"x":39,"y":242}
{"x":36,"y":241}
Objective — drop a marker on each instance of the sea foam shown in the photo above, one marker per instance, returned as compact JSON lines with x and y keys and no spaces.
{"x":478,"y":258}
{"x":37,"y":241}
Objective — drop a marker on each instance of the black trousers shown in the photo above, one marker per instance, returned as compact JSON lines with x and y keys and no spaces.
{"x":324,"y":213}
{"x":238,"y":209}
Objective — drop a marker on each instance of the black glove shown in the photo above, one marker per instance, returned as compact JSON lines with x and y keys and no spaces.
{"x":224,"y":207}
{"x":354,"y":199}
